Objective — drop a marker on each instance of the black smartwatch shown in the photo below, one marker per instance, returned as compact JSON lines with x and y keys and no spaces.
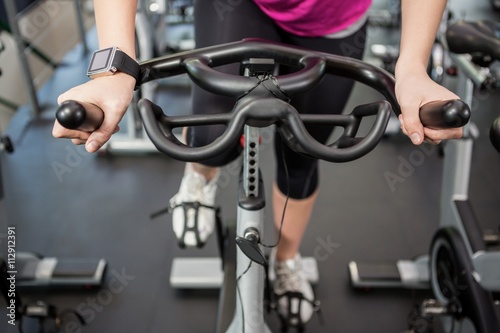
{"x":111,"y":60}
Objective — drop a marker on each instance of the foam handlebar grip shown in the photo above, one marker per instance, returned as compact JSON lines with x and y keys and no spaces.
{"x":79,"y":116}
{"x":445,"y":114}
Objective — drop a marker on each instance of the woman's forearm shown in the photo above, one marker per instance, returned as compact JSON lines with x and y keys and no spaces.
{"x":115,"y":22}
{"x":420,"y":21}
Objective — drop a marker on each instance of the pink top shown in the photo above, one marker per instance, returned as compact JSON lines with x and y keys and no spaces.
{"x":312,"y":18}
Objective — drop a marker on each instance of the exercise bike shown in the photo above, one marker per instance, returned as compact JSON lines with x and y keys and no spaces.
{"x":459,"y":269}
{"x":261,"y":100}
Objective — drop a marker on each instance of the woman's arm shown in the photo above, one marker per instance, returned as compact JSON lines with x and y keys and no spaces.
{"x":420,"y":21}
{"x":115,"y":22}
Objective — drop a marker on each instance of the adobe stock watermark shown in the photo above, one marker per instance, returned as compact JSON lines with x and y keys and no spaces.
{"x":89,"y":308}
{"x":480,"y":96}
{"x":407,"y":165}
{"x":356,"y":47}
{"x":222,"y":7}
{"x":73,"y":159}
{"x":254,"y":315}
{"x":38,"y":20}
{"x":325,"y":248}
{"x":417,"y":322}
{"x":421,"y":318}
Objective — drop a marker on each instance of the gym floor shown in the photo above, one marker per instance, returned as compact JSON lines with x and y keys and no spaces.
{"x":66,"y":203}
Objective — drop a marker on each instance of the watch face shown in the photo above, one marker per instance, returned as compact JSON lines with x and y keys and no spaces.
{"x":110,"y":60}
{"x":101,"y":60}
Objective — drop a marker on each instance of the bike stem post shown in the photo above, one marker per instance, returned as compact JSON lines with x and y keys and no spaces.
{"x":250,"y":275}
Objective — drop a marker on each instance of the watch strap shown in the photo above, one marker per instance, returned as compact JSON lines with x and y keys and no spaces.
{"x":124,"y":63}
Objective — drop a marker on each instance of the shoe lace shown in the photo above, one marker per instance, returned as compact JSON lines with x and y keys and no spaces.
{"x":288,"y":279}
{"x":191,"y":191}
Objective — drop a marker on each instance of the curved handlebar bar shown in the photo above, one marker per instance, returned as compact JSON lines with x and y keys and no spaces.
{"x":474,"y":37}
{"x":480,"y":37}
{"x":265,"y":106}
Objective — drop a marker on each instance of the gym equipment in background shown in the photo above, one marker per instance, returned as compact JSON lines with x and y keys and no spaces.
{"x":33,"y":270}
{"x":462,"y":273}
{"x":49,"y":318}
{"x":155,"y":22}
{"x":36,"y":271}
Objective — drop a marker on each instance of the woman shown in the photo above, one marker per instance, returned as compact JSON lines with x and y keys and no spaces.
{"x":330,"y":26}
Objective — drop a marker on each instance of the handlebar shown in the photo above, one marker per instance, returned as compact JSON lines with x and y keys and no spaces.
{"x":483,"y":38}
{"x":474,"y":37}
{"x":259,"y":104}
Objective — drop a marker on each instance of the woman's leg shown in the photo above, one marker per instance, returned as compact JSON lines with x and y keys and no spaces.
{"x":302,"y":184}
{"x":297,"y":215}
{"x":297,"y":179}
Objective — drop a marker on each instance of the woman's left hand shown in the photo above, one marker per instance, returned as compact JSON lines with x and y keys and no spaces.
{"x":415,"y":88}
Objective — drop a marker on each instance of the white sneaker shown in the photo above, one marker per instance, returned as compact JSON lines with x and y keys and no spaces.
{"x":193,"y":211}
{"x":293,"y":292}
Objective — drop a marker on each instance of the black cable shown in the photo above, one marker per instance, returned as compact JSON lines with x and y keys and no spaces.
{"x":239,"y":294}
{"x":261,"y":79}
{"x":276,"y":84}
{"x":287,"y":177}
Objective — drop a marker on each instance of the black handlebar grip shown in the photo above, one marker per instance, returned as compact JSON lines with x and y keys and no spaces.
{"x":80,"y":116}
{"x":71,"y":114}
{"x":495,"y":134}
{"x":445,"y":114}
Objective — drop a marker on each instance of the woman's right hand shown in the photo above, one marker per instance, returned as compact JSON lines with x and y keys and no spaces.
{"x":112,"y":94}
